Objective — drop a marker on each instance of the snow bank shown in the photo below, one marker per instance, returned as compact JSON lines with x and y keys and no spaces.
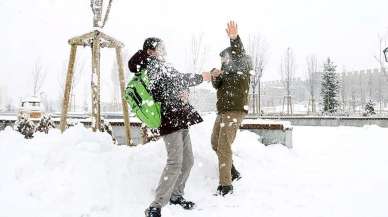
{"x":8,"y":117}
{"x":331,"y":172}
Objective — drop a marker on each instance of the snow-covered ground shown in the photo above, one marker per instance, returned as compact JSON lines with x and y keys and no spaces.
{"x":331,"y":172}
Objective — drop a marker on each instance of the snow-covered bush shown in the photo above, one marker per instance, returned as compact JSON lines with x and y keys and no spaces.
{"x":370,"y":108}
{"x":151,"y":134}
{"x":107,"y":127}
{"x":25,"y":126}
{"x":45,"y":124}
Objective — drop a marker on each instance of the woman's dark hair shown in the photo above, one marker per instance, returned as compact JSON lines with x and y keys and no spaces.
{"x":138,"y":61}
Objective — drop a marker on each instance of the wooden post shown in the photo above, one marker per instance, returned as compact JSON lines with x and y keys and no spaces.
{"x":98,"y":54}
{"x":68,"y":85}
{"x":95,"y":83}
{"x":124,"y":103}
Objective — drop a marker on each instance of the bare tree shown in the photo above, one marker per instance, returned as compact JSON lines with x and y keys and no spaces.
{"x":196,"y":56}
{"x":380,"y":92}
{"x":116,"y":101}
{"x":312,"y":80}
{"x":370,"y":85}
{"x":78,"y":72}
{"x":258,"y":50}
{"x":2,"y":96}
{"x":287,"y":72}
{"x":379,"y":58}
{"x":196,"y":53}
{"x":38,"y":77}
{"x":343,"y":90}
{"x":361,"y":88}
{"x":115,"y":82}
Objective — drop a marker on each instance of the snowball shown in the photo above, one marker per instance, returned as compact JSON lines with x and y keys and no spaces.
{"x":150,"y":102}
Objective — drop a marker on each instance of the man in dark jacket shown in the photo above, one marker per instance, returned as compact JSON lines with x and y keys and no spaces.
{"x":171,"y":89}
{"x":232,"y":84}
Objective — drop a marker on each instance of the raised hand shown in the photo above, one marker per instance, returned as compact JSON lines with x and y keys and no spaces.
{"x":232,"y":30}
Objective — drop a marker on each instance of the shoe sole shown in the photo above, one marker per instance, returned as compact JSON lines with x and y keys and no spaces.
{"x":193,"y":207}
{"x":145,"y":212}
{"x":236,"y":179}
{"x":218,"y":194}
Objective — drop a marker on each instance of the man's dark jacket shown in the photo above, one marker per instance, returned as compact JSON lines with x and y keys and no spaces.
{"x":233,"y":85}
{"x":166,"y":85}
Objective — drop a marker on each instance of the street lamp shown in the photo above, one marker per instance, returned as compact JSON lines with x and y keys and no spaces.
{"x":385,"y":51}
{"x":259,"y":71}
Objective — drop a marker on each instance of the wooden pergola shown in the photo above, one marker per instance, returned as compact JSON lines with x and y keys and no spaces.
{"x":96,"y":40}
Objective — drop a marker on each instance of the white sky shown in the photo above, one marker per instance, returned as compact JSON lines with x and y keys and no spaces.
{"x":32,"y":30}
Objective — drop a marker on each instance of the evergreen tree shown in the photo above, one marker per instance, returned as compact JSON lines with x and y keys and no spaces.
{"x":370,"y":108}
{"x":329,"y":88}
{"x":45,"y":124}
{"x":25,"y":126}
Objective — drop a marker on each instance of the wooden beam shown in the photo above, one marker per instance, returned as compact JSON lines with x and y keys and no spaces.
{"x":83,"y":39}
{"x":124,"y":103}
{"x":95,"y":84}
{"x":88,"y":38}
{"x":115,"y":43}
{"x":69,"y":80}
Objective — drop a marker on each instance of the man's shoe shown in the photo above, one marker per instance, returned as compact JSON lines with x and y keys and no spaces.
{"x":224,"y":190}
{"x":235,"y":174}
{"x":152,"y":212}
{"x":183,"y":203}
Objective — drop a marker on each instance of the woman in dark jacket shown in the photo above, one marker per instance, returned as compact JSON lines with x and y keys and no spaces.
{"x":171,"y":89}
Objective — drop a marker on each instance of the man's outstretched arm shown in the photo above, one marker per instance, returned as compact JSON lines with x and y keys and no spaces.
{"x":235,"y":41}
{"x":190,"y":79}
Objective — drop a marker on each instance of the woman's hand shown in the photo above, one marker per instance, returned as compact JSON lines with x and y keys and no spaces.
{"x":206,"y":76}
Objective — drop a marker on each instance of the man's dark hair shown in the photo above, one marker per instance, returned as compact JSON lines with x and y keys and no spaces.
{"x":151,"y":43}
{"x":226,"y":52}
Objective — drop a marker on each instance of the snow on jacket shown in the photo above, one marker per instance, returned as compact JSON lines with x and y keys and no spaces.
{"x":166,"y":85}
